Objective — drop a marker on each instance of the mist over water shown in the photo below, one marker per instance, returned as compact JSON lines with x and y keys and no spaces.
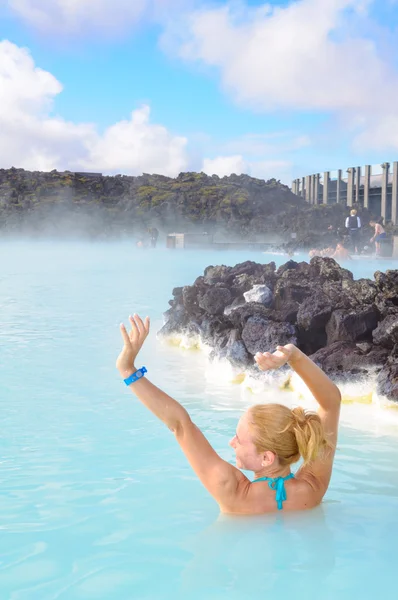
{"x":97,"y":499}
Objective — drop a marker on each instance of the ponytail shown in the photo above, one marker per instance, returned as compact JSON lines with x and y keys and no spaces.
{"x":309,"y":434}
{"x":290,"y":434}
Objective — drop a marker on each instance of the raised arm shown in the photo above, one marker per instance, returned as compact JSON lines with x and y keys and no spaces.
{"x":224,"y":481}
{"x":325,"y":392}
{"x":377,"y":231}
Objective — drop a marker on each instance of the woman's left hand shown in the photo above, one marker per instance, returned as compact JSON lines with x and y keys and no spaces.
{"x":133,"y":343}
{"x":268,"y":361}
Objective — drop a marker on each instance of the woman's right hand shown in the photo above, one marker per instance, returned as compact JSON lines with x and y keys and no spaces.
{"x":283,"y":354}
{"x":132,"y":344}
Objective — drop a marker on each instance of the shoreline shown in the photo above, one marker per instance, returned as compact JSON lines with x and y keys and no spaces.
{"x":348,"y":327}
{"x":258,"y":383}
{"x":362,"y":410}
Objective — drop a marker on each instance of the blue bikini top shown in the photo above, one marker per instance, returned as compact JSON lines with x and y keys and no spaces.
{"x":278,"y":484}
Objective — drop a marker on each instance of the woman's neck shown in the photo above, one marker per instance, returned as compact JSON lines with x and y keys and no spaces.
{"x":273,"y":471}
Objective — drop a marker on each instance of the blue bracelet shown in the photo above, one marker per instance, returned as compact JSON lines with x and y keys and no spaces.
{"x":136,"y":376}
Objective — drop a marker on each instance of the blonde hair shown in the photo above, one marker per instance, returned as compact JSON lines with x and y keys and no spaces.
{"x":290,"y":434}
{"x":353,"y":212}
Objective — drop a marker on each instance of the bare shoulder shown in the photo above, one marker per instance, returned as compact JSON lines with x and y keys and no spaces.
{"x":315,"y":478}
{"x":308,"y":491}
{"x":258,"y":498}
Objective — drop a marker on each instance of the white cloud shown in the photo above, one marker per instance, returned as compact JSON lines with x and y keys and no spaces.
{"x":75,"y":16}
{"x":298,"y":56}
{"x":225,"y":165}
{"x":308,"y":55}
{"x":137,"y":145}
{"x":30,"y":137}
{"x":262,"y":155}
{"x":380,"y":133}
{"x":258,"y":145}
{"x":237,"y":164}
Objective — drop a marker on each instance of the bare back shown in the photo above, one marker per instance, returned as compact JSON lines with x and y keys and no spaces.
{"x":258,"y":498}
{"x":379,"y":229}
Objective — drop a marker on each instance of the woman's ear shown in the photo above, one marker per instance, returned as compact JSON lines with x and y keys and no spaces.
{"x":268,"y":458}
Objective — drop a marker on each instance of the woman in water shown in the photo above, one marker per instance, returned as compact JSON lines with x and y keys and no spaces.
{"x":341,"y":252}
{"x":379,"y":235}
{"x":269,"y":438}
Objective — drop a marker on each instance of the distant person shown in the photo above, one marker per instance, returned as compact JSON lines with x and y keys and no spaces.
{"x":353,"y":224}
{"x":338,"y":253}
{"x":379,"y":235}
{"x":341,"y":252}
{"x":154,"y":237}
{"x":268,"y":440}
{"x":324,"y":252}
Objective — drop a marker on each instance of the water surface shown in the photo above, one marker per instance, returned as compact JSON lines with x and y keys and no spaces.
{"x":98,"y":501}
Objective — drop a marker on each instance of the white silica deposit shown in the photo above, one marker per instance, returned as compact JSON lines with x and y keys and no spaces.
{"x":259,"y":293}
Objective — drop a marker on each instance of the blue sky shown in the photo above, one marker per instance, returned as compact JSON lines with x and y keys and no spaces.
{"x":279,"y":90}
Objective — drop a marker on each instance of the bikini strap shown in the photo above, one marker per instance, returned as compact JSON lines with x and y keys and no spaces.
{"x":277,"y":484}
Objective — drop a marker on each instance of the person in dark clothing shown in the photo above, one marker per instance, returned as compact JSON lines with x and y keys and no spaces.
{"x":353,"y":224}
{"x":154,"y":234}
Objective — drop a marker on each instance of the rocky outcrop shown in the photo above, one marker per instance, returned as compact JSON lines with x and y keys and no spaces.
{"x":386,"y":333}
{"x":346,"y":358}
{"x":349,"y":328}
{"x":352,"y":325}
{"x":102,"y":206}
{"x":387,"y":381}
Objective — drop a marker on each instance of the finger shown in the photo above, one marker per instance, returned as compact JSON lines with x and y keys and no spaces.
{"x":135,"y":333}
{"x":140,"y":325}
{"x":269,"y":361}
{"x":263,"y":354}
{"x":265,"y":362}
{"x":125,"y":335}
{"x":262,"y":357}
{"x":265,"y":366}
{"x":284,"y":350}
{"x":147,"y":324}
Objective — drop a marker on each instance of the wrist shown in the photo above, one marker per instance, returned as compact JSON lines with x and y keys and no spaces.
{"x":135,"y":376}
{"x":295,"y":356}
{"x":125,"y":373}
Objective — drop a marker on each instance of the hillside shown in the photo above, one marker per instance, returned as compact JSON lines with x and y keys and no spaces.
{"x":105,"y":206}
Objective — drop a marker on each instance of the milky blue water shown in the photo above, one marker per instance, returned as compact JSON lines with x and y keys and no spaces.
{"x":97,"y":500}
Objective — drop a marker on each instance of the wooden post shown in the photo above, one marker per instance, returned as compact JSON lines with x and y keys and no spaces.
{"x":308,"y":189}
{"x":358,"y":186}
{"x":366,"y":189}
{"x":326,"y":180}
{"x":350,"y":186}
{"x":316,"y":188}
{"x":394,"y":198}
{"x":384,"y":190}
{"x":338,"y":186}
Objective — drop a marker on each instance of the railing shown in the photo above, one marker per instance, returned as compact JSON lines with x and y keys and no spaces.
{"x":366,"y":187}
